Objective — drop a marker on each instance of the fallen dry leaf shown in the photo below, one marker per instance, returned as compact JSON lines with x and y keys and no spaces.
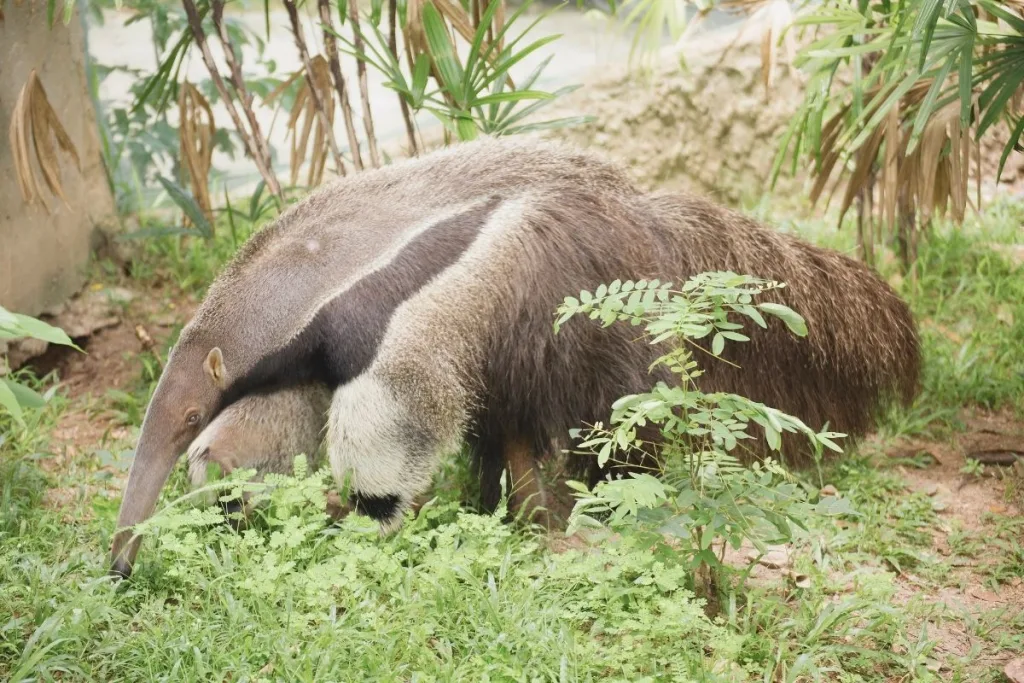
{"x":33,"y":119}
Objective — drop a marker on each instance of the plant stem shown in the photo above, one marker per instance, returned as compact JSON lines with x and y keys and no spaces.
{"x":330,"y":44}
{"x":357,"y":35}
{"x":410,"y":131}
{"x":254,"y":143}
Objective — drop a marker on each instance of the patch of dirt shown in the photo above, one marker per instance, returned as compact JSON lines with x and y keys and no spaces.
{"x":962,"y":496}
{"x":111,"y":360}
{"x":111,"y":354}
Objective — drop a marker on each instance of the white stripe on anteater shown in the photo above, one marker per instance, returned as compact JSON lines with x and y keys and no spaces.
{"x":389,"y":426}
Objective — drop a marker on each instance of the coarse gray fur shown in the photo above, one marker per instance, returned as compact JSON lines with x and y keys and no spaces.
{"x":424,"y":294}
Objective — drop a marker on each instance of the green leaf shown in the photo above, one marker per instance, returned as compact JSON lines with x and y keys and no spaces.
{"x":184,"y":201}
{"x":1018,"y":129}
{"x":26,"y":396}
{"x":421,"y":71}
{"x":834,"y":506}
{"x":9,"y":401}
{"x":444,"y":55}
{"x":966,"y":66}
{"x":928,"y":105}
{"x":254,"y":200}
{"x":512,"y":96}
{"x":466,"y":129}
{"x":32,"y":327}
{"x":794,"y":321}
{"x":925,"y":24}
{"x":772,"y":436}
{"x":718,"y":344}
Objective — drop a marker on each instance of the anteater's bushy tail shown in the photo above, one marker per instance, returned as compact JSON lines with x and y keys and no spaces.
{"x":861,"y":352}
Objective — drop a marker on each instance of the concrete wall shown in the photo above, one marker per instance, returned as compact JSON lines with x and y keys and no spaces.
{"x":43,"y":257}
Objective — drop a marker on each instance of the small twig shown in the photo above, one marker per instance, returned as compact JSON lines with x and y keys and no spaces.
{"x":246,"y":99}
{"x":314,"y":96}
{"x":364,"y":94}
{"x":1004,"y":458}
{"x":410,"y":130}
{"x":254,"y":150}
{"x":331,"y":46}
{"x":147,"y":343}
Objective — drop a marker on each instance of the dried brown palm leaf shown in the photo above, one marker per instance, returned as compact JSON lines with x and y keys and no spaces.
{"x":255,"y":143}
{"x":304,"y":122}
{"x":33,"y":118}
{"x":320,"y":99}
{"x":864,"y":159}
{"x":889,"y":184}
{"x":830,"y":154}
{"x":195,"y":141}
{"x":937,"y":171}
{"x":898,"y":190}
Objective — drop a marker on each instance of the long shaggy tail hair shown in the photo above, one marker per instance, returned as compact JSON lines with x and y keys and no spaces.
{"x":861,"y":351}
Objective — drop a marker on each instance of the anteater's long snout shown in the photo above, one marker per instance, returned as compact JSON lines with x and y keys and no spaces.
{"x":149,"y":473}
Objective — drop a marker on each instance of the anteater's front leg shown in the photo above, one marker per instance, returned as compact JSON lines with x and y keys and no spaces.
{"x":388,"y":428}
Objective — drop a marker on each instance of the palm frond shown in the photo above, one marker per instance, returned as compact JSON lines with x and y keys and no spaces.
{"x":34,"y":120}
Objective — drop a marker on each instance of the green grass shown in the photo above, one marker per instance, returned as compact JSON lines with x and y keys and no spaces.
{"x":461,"y":597}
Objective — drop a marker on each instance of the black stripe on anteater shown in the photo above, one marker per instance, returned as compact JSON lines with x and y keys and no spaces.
{"x":342,"y":339}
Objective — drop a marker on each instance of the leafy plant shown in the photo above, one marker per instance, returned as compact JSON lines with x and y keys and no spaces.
{"x":16,"y":396}
{"x":705,"y":498}
{"x":472,"y":95}
{"x":899,"y":97}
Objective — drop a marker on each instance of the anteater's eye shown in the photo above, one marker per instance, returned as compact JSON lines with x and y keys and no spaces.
{"x":192,"y":419}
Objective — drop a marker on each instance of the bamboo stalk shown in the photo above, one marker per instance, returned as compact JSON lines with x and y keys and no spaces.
{"x":410,"y":130}
{"x":238,"y":80}
{"x":330,"y":44}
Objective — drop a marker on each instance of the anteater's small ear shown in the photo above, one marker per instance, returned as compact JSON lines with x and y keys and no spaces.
{"x":215,"y":367}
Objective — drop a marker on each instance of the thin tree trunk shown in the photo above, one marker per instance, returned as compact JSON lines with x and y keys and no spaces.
{"x":371,"y":139}
{"x":331,"y":46}
{"x":254,"y":143}
{"x":410,"y":130}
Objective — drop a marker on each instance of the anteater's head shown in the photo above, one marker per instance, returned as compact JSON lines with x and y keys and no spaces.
{"x":190,"y":392}
{"x":264,"y":432}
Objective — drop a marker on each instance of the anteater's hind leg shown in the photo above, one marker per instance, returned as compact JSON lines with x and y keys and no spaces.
{"x":516,"y":459}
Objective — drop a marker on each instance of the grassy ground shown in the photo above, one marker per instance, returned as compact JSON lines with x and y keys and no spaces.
{"x":923,"y":583}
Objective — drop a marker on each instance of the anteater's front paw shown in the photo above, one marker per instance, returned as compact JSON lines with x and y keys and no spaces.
{"x":387,"y":510}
